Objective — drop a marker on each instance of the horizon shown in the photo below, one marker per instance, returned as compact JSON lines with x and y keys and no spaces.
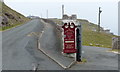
{"x":86,"y":10}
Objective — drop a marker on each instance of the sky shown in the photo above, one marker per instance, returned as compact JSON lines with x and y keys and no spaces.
{"x":84,"y":9}
{"x":119,"y":18}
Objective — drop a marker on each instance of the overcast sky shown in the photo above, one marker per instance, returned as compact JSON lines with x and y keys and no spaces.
{"x":85,"y":9}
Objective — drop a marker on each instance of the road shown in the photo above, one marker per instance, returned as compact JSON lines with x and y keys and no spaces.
{"x":19,"y":50}
{"x":97,"y":58}
{"x":15,"y":54}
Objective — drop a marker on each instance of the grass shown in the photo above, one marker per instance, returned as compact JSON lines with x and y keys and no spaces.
{"x":84,"y":60}
{"x":104,"y":40}
{"x":58,"y":21}
{"x":98,"y":39}
{"x":8,"y":27}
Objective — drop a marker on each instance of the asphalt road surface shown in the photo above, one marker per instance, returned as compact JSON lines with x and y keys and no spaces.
{"x":15,"y":56}
{"x":97,"y":59}
{"x":19,"y":51}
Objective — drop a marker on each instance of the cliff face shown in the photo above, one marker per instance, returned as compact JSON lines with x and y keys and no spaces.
{"x":9,"y":17}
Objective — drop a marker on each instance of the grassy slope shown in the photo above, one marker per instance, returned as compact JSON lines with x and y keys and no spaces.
{"x":13,"y":22}
{"x":89,"y":36}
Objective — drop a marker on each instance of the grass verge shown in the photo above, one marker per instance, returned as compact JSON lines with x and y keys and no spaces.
{"x":10,"y":26}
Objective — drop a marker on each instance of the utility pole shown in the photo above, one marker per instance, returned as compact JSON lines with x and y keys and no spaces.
{"x":41,"y":15}
{"x":47,"y":14}
{"x":99,"y":19}
{"x":62,"y":10}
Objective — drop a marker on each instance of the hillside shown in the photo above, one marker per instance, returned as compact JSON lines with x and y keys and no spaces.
{"x":90,"y":36}
{"x":10,"y":18}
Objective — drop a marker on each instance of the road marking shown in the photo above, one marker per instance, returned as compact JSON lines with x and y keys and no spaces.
{"x":33,"y":34}
{"x":30,"y":34}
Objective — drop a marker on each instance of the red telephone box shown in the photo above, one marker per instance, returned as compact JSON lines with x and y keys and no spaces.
{"x":69,"y":38}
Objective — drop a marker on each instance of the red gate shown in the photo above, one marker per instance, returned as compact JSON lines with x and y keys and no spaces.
{"x":69,"y":38}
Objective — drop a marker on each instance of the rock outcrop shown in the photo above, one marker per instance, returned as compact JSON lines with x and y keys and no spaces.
{"x":3,"y":20}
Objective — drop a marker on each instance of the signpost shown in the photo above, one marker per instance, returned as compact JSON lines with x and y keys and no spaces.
{"x":72,"y":40}
{"x":79,"y":43}
{"x":69,"y":38}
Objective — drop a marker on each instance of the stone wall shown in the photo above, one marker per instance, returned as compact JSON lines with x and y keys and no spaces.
{"x":116,"y":42}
